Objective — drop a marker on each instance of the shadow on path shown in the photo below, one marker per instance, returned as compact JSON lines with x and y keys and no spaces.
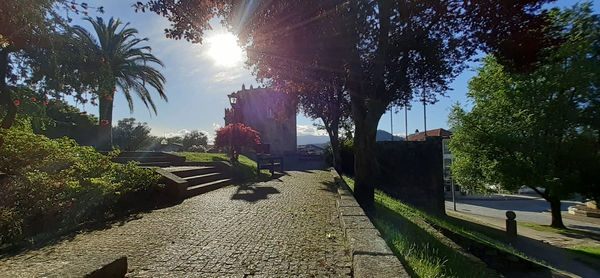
{"x":250,"y":193}
{"x":330,"y":186}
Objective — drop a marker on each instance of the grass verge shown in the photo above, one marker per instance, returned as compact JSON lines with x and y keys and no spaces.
{"x":588,"y":254}
{"x":567,"y":232}
{"x":244,"y":170}
{"x":421,"y":249}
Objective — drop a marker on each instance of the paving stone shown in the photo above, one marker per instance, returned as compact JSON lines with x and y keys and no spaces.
{"x":269,"y":229}
{"x":378,"y":266}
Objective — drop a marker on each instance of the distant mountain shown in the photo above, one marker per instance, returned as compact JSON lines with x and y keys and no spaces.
{"x":312,"y":139}
{"x":383,"y":135}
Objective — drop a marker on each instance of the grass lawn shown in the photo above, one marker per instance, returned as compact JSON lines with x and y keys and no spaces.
{"x":421,"y":248}
{"x":567,"y":232}
{"x":206,"y":157}
{"x":588,"y":254}
{"x":592,"y":251}
{"x":245,"y":170}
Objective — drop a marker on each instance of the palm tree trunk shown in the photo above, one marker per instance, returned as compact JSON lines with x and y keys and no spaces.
{"x":5,"y":99}
{"x":105,"y":124}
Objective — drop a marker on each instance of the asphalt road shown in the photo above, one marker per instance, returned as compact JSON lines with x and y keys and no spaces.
{"x":528,"y":209}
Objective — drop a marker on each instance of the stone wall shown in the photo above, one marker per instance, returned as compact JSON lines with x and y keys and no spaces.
{"x":412,"y":172}
{"x":271,"y":113}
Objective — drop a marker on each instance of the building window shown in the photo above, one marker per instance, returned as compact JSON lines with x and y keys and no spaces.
{"x":445,"y":143}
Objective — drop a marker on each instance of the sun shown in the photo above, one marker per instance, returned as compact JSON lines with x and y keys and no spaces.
{"x":224,"y":50}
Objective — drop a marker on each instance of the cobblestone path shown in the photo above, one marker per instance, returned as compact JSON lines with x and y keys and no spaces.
{"x":272,"y":229}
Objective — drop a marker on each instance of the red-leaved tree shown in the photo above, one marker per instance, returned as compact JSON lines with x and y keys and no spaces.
{"x":233,"y":137}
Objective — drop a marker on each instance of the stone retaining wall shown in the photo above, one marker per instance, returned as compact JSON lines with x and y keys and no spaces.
{"x":370,"y":255}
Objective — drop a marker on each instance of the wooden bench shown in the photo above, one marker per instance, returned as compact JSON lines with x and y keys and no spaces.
{"x":269,"y":162}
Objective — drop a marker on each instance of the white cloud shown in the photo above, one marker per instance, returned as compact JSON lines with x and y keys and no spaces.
{"x":229,"y":76}
{"x":309,"y":130}
{"x":181,"y":133}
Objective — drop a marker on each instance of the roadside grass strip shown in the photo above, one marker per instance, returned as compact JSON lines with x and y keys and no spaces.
{"x":421,"y":249}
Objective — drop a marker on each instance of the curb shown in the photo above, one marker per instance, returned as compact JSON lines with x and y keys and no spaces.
{"x":369,"y":253}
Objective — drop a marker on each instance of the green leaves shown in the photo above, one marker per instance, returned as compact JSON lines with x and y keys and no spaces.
{"x":60,"y":179}
{"x":535,"y":129}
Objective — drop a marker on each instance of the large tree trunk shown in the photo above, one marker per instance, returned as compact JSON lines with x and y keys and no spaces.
{"x":366,"y":168}
{"x":337,"y":156}
{"x":334,"y":140}
{"x":105,"y":124}
{"x":556,"y":216}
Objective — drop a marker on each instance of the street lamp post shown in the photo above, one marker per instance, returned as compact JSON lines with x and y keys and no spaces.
{"x":233,"y":102}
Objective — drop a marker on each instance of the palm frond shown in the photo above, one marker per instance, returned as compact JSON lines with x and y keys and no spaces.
{"x":131,"y":63}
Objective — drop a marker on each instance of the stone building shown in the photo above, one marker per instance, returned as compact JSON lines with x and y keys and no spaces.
{"x":446,"y":155}
{"x":269,"y":112}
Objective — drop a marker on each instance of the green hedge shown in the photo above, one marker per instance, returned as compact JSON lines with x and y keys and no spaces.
{"x":55,"y":184}
{"x":347,"y":155}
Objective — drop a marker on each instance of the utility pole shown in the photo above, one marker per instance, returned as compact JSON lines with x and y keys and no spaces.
{"x":405,"y":124}
{"x":392,"y":122}
{"x":453,"y":193}
{"x":425,"y":115}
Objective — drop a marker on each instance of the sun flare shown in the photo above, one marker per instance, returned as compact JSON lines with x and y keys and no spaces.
{"x":224,"y":50}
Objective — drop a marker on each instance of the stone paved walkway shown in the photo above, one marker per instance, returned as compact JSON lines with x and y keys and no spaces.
{"x":272,"y":229}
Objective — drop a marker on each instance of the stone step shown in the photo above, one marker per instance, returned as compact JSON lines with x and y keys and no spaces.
{"x":188,"y":171}
{"x":141,"y":159}
{"x":155,"y":164}
{"x":205,"y":187}
{"x":204,"y":178}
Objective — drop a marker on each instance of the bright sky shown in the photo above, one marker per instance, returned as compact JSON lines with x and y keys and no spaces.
{"x":199,"y":77}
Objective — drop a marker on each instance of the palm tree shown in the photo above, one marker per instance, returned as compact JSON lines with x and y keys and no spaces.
{"x":123,"y":64}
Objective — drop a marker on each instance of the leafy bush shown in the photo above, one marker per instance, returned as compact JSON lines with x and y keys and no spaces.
{"x":347,"y":155}
{"x":57,"y":184}
{"x":53,"y":118}
{"x":193,"y":140}
{"x":197,"y":149}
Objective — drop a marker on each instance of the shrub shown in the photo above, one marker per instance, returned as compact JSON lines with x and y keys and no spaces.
{"x":347,"y":155}
{"x":197,"y":149}
{"x":57,"y":184}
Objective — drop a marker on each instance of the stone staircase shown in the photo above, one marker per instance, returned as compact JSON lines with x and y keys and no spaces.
{"x":200,"y":179}
{"x":183,"y":179}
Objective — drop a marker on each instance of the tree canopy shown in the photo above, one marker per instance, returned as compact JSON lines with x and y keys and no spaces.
{"x":194,"y":138}
{"x":130,"y":135}
{"x":120,"y":61}
{"x":385,"y":51}
{"x":536,"y":129}
{"x":233,"y":137}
